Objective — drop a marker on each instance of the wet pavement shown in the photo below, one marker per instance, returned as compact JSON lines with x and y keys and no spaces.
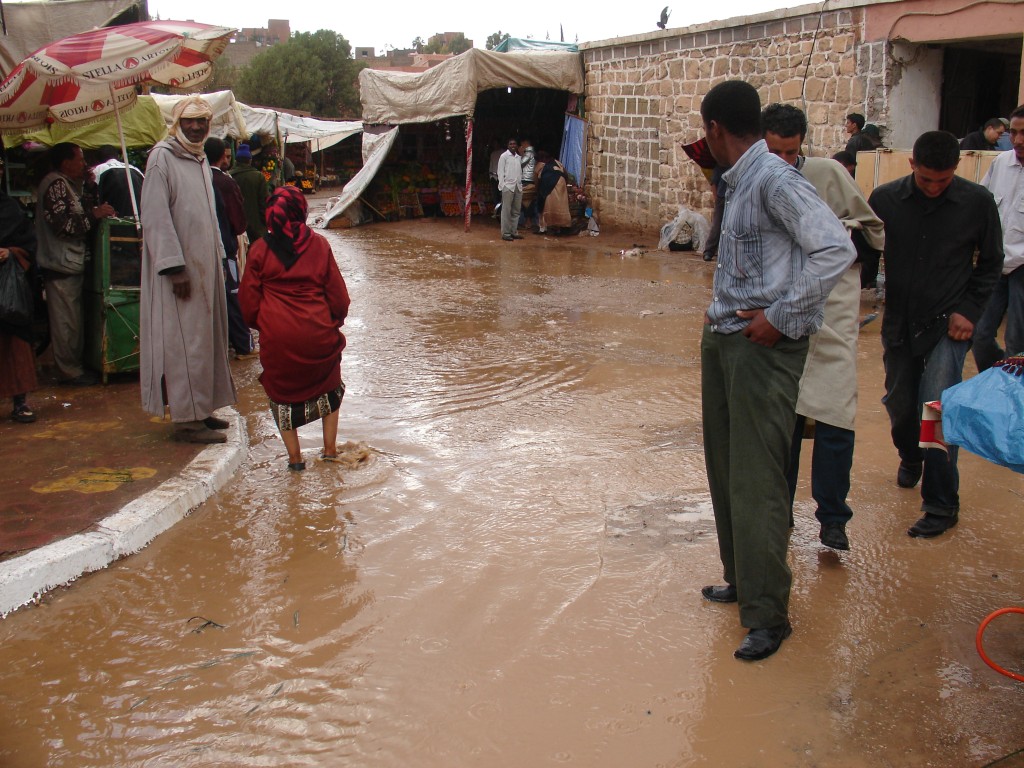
{"x":91,"y":451}
{"x":512,"y":578}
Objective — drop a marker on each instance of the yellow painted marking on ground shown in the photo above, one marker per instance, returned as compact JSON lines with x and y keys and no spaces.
{"x":95,"y":480}
{"x":71,"y":430}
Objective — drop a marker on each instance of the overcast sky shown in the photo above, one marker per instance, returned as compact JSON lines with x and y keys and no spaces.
{"x":396,"y":23}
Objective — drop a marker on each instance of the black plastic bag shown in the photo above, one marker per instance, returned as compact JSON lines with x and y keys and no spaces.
{"x":15,"y":294}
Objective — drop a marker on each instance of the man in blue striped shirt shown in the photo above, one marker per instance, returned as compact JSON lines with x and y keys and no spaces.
{"x":781,"y":252}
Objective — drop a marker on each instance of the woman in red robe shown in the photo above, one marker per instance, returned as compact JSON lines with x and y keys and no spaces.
{"x":293,"y":293}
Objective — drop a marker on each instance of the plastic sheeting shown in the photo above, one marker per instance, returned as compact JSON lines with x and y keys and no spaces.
{"x":525,"y":44}
{"x":574,"y":146}
{"x":294,"y":129}
{"x":375,"y":149}
{"x":450,"y":89}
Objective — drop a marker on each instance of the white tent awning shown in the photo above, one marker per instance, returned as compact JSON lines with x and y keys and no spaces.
{"x":239,"y":121}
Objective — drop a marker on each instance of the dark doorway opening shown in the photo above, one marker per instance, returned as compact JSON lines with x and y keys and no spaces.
{"x":537,"y":113}
{"x":980,"y":80}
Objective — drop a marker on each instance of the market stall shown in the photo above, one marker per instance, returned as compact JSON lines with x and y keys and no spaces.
{"x":438,"y":153}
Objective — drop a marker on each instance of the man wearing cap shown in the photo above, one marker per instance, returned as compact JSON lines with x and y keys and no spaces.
{"x":183,"y":320}
{"x":254,"y":192}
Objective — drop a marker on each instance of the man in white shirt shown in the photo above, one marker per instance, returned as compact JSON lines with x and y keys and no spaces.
{"x":1005,"y":180}
{"x":510,"y":184}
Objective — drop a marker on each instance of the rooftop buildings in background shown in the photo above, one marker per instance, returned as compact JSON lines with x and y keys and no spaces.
{"x":412,"y":59}
{"x":249,"y":42}
{"x":252,"y":41}
{"x":276,"y":31}
{"x":401,"y":59}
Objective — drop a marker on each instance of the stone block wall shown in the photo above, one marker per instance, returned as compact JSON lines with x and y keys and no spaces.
{"x":643,"y":97}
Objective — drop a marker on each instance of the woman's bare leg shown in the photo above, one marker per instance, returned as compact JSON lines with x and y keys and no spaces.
{"x":291,"y":442}
{"x":331,"y":433}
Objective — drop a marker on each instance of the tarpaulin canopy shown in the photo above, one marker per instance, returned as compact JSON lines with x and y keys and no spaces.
{"x":143,"y":127}
{"x":450,"y":89}
{"x":30,"y":26}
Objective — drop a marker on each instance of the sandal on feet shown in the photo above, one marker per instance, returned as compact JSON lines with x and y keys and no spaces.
{"x":335,"y":459}
{"x":297,"y":466}
{"x":23,"y":414}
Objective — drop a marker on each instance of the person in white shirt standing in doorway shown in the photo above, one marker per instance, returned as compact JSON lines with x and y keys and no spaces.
{"x":1005,"y":180}
{"x":510,"y":184}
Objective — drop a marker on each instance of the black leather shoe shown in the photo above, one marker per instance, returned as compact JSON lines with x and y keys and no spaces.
{"x":762,"y":643}
{"x":212,"y":422}
{"x":833,"y":536}
{"x":930,"y":526}
{"x":709,"y":255}
{"x":723,"y":594}
{"x":909,"y":474}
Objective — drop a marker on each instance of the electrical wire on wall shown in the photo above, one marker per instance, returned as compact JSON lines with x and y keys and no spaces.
{"x":807,"y":69}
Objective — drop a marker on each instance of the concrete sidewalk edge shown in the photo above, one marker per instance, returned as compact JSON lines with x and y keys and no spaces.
{"x":25,"y":578}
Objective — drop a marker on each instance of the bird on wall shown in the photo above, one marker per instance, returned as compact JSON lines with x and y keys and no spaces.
{"x":665,"y":13}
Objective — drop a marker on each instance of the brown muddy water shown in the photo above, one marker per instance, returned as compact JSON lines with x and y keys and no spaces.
{"x":513,"y":578}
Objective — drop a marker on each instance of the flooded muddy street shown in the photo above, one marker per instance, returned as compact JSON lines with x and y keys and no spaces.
{"x":512,"y":578}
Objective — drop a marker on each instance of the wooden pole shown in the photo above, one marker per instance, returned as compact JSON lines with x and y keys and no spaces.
{"x":469,"y":171}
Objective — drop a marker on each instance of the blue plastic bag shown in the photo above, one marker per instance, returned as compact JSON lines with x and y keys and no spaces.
{"x":985,"y":414}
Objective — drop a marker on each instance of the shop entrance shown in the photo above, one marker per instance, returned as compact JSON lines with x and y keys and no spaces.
{"x":980,"y":80}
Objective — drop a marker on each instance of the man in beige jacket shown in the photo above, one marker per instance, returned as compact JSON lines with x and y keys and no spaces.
{"x":828,"y":387}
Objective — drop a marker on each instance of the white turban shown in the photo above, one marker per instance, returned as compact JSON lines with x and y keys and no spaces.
{"x":193,"y":106}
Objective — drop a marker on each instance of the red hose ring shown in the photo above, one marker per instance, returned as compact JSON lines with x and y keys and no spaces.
{"x":980,"y":646}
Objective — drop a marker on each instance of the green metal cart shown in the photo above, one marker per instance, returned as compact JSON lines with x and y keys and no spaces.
{"x":111,"y":303}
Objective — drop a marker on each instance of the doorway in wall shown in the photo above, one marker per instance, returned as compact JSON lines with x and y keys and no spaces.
{"x":980,"y":80}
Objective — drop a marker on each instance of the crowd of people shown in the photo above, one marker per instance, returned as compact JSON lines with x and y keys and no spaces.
{"x":778,"y":352}
{"x":201,"y":213}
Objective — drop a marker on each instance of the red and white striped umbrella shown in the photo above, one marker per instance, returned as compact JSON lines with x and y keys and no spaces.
{"x":93,"y":74}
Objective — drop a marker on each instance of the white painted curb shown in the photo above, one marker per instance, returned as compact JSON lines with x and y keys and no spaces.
{"x":25,"y":578}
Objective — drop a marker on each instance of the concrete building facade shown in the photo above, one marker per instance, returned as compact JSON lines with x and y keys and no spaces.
{"x":907,"y":65}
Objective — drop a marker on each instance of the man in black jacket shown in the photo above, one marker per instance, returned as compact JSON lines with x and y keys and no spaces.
{"x":935,"y":293}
